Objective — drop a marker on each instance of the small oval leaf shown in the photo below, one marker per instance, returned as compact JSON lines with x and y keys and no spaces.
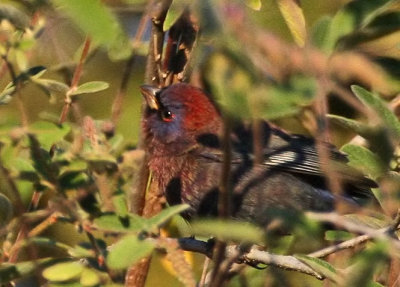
{"x":63,"y":271}
{"x":128,"y":251}
{"x":229,"y":230}
{"x":90,"y":87}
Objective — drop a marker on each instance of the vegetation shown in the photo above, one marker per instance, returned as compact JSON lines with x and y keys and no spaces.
{"x":77,"y":204}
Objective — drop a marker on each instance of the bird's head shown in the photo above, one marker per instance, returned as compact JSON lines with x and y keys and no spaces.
{"x":177,"y":115}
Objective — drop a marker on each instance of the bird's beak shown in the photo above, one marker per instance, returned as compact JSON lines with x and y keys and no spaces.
{"x":149,"y":93}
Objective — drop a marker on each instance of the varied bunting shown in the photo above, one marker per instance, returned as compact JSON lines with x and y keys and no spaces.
{"x":182,"y":127}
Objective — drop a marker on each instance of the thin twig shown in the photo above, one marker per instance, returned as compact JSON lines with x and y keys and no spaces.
{"x":74,"y":84}
{"x":204,"y":272}
{"x":354,"y":227}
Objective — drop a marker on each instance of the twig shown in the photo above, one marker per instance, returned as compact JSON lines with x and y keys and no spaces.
{"x":153,"y":67}
{"x":203,"y":277}
{"x":224,"y":205}
{"x":287,"y":262}
{"x":351,"y":226}
{"x":253,"y":257}
{"x":74,"y":84}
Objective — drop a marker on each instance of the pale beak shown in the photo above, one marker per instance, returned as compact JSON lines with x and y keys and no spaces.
{"x":150,"y":95}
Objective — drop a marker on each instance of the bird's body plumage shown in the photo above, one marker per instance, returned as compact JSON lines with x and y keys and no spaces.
{"x":183,"y":132}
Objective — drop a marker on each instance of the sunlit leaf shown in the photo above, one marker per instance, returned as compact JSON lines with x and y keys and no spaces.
{"x":254,"y":4}
{"x":119,"y":201}
{"x":80,"y":252}
{"x":128,"y":251}
{"x":355,"y":126}
{"x":293,"y":15}
{"x":6,"y":94}
{"x":96,"y":20}
{"x":10,"y":272}
{"x":364,"y":159}
{"x":228,"y":230}
{"x":63,"y":271}
{"x":115,"y":223}
{"x":90,"y":87}
{"x":89,"y":278}
{"x":165,"y":215}
{"x":174,"y":12}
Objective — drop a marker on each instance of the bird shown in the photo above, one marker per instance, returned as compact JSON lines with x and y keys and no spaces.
{"x":182,"y":128}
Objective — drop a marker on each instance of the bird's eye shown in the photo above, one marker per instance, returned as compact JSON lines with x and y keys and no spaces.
{"x":167,"y":116}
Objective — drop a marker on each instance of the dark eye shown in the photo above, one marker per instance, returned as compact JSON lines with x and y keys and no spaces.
{"x":167,"y":116}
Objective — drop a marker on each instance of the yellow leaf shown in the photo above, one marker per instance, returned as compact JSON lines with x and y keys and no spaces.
{"x":294,"y":17}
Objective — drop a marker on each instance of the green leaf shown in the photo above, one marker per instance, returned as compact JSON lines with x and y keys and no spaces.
{"x":120,"y":204}
{"x":95,"y":19}
{"x":6,"y":210}
{"x":367,"y":265}
{"x":51,"y":86}
{"x":294,"y":18}
{"x":174,"y":12}
{"x":320,"y":266}
{"x":343,"y":23}
{"x":228,"y":230}
{"x":389,"y":7}
{"x":90,"y":87}
{"x":10,"y":272}
{"x":374,"y":102}
{"x":254,"y":4}
{"x":320,"y":31}
{"x":81,"y":252}
{"x":364,"y":159}
{"x":89,"y":278}
{"x":128,"y":251}
{"x":338,"y":235}
{"x":48,"y":133}
{"x":115,"y":223}
{"x":234,"y":97}
{"x":73,"y":167}
{"x":353,"y":125}
{"x":21,"y":60}
{"x":165,"y":215}
{"x":48,"y":242}
{"x":279,"y":101}
{"x":63,"y":271}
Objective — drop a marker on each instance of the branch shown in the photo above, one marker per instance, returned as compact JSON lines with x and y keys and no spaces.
{"x":253,"y":257}
{"x":367,"y":232}
{"x":74,"y":84}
